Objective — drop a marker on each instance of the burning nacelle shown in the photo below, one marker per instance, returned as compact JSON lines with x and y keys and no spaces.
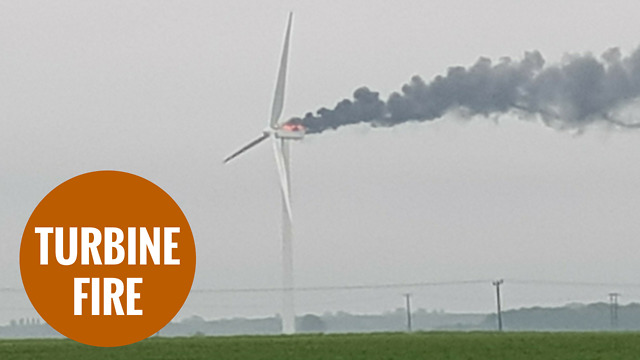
{"x":290,"y":131}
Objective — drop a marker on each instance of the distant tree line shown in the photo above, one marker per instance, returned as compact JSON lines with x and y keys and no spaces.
{"x":572,"y":317}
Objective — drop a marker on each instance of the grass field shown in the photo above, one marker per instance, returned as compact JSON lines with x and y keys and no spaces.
{"x":445,"y":345}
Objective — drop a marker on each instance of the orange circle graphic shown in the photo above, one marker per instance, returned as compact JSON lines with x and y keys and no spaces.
{"x":107,"y":258}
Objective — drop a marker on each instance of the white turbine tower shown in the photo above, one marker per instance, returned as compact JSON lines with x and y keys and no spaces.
{"x":281,"y":133}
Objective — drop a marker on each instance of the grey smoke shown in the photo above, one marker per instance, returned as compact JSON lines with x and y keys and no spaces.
{"x":577,"y":92}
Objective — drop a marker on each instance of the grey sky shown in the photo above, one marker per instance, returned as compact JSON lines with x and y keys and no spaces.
{"x":166,"y":89}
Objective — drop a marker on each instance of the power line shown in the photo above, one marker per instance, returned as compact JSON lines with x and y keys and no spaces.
{"x":393,"y":286}
{"x":10,"y":289}
{"x":418,"y":284}
{"x":346,"y":287}
{"x":571,"y":283}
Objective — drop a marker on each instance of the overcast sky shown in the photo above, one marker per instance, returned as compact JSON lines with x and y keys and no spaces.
{"x":167,"y":89}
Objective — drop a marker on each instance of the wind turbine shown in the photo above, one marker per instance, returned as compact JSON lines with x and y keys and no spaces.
{"x":281,"y":133}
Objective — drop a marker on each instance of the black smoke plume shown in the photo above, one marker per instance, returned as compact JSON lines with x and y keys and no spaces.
{"x":581,"y":90}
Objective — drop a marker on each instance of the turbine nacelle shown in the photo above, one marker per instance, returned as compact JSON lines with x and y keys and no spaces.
{"x":287,"y":131}
{"x":290,"y":131}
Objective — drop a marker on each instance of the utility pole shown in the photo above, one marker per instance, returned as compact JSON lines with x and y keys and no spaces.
{"x":497,"y":284}
{"x":613,"y":309}
{"x":407,"y":298}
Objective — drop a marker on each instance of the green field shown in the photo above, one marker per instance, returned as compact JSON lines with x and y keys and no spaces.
{"x":444,"y":345}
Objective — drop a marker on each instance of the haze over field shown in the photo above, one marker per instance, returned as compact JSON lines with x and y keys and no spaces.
{"x":166,"y":90}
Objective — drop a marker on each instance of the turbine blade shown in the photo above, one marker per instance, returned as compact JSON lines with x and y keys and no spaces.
{"x":283,"y":173}
{"x":246,"y":147}
{"x":278,"y":96}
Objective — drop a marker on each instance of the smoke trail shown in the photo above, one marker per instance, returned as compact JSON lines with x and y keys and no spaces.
{"x":573,"y":94}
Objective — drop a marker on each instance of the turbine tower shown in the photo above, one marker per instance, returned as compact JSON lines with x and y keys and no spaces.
{"x":281,"y":133}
